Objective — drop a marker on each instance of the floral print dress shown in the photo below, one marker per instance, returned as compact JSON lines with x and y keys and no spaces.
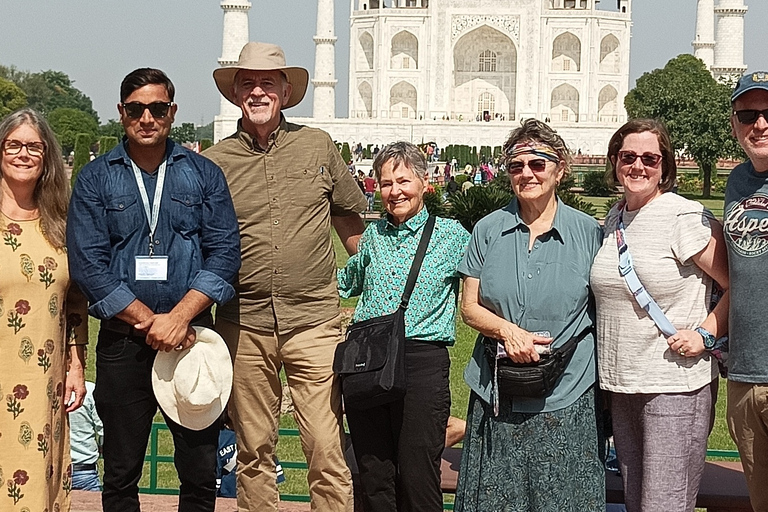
{"x":40,"y":314}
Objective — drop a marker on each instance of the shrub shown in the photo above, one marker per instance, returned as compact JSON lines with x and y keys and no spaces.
{"x":461,"y":178}
{"x":476,"y":203}
{"x":346,"y":154}
{"x":434,"y":203}
{"x":595,"y":184}
{"x":205,"y":144}
{"x":608,"y":204}
{"x":82,"y":154}
{"x":572,"y":199}
{"x":106,"y":144}
{"x":689,"y":183}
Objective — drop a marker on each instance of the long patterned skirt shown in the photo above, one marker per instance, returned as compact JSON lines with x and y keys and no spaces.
{"x":540,"y":462}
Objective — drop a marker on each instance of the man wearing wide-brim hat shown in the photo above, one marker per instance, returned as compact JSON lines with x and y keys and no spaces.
{"x":289,"y":185}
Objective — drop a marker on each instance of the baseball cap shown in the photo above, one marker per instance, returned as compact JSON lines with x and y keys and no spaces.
{"x":750,"y":81}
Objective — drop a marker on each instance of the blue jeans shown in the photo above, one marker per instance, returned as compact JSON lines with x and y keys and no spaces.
{"x":86,"y":480}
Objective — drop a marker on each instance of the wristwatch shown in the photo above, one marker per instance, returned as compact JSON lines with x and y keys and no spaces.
{"x":709,"y":338}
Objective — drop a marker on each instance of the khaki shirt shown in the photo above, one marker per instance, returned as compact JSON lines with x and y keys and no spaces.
{"x":284,"y":198}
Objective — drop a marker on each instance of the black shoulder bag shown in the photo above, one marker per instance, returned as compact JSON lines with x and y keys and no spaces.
{"x":371,"y":359}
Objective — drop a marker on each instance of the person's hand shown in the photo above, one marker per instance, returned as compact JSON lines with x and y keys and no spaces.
{"x":686,"y":343}
{"x":519,"y":344}
{"x":74,"y":389}
{"x":167,"y":332}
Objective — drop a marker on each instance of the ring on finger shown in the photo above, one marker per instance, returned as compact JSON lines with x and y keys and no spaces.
{"x":681,"y":351}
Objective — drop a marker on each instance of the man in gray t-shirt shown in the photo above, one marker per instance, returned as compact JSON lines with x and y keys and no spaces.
{"x":746,"y":234}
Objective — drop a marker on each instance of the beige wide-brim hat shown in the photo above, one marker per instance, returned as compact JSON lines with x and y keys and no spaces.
{"x":193,"y":386}
{"x":262,"y":57}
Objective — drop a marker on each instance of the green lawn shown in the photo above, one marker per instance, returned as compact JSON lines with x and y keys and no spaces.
{"x":289,"y":448}
{"x":714,"y":203}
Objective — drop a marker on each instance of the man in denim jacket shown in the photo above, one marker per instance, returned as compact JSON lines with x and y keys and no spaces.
{"x":153,"y":242}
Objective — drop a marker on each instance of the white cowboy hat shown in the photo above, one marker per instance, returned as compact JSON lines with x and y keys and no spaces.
{"x":262,"y":57}
{"x":192,"y":386}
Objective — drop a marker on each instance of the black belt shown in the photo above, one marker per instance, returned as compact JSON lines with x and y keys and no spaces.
{"x":118,"y":326}
{"x":81,"y":466}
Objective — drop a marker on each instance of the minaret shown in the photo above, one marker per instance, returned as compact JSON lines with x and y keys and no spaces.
{"x":235,"y":36}
{"x":324,"y":81}
{"x":729,"y":39}
{"x":704,"y":40}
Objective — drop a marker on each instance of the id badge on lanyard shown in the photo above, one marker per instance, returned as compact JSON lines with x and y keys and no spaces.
{"x":151,"y":267}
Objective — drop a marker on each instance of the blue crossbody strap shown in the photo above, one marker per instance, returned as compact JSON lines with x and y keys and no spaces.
{"x":627,"y":271}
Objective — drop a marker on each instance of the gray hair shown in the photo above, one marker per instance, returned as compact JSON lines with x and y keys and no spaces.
{"x":402,"y":153}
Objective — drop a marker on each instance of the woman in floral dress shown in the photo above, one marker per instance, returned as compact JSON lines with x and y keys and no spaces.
{"x":43,"y":321}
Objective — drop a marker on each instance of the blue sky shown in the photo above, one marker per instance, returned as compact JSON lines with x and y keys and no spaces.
{"x":97,"y":42}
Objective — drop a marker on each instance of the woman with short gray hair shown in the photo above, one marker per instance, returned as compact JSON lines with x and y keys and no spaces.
{"x":398,"y":445}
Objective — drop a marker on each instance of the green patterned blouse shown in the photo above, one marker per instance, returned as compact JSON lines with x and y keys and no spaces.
{"x":379,"y":270}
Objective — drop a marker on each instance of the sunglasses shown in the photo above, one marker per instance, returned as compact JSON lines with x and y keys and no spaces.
{"x":538,"y":165}
{"x":648,"y":159}
{"x":750,"y":116}
{"x":13,"y":147}
{"x":158,"y":109}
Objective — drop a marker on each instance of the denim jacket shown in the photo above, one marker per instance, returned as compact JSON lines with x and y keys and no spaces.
{"x":107,"y":228}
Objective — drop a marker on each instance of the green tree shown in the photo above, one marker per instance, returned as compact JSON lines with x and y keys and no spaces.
{"x":204,"y":132}
{"x":48,"y":90}
{"x":695,"y":108}
{"x":11,"y":97}
{"x":82,"y":154}
{"x":67,"y":123}
{"x":112,"y":128}
{"x":185,"y":132}
{"x":205,"y":144}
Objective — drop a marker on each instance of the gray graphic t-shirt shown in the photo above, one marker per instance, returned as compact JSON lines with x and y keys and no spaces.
{"x":746,"y":234}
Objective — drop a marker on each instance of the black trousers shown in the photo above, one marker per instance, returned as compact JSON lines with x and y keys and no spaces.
{"x":398,"y":445}
{"x":126,"y":405}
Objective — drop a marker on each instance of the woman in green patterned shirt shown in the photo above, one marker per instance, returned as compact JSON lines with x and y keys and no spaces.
{"x":398,"y":445}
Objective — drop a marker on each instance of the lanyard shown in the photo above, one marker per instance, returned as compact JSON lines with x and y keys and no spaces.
{"x":154,"y":216}
{"x":627,"y":271}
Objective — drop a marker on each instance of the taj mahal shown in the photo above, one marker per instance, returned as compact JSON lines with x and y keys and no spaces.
{"x":467,"y":71}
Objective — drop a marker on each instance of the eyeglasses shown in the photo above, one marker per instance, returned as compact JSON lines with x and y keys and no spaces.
{"x":648,"y":159}
{"x":538,"y":165}
{"x":750,"y":116}
{"x":13,"y":147}
{"x":158,"y":109}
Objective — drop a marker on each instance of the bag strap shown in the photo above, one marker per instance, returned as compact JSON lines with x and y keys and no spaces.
{"x":426,"y":234}
{"x":627,"y":271}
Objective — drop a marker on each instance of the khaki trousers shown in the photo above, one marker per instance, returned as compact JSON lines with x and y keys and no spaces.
{"x":254,"y":408}
{"x":748,"y":423}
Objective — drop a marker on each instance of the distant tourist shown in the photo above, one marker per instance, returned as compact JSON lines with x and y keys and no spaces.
{"x":86,"y":437}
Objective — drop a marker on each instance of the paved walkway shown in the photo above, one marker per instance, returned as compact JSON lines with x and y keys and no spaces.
{"x":84,"y":501}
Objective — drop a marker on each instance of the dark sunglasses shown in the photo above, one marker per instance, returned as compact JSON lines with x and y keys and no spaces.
{"x":534,"y":165}
{"x":158,"y":109}
{"x":648,"y":159}
{"x":13,"y":147}
{"x":750,"y":116}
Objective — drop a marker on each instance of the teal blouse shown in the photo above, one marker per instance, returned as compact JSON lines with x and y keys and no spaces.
{"x":378,"y":272}
{"x":544,"y":289}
